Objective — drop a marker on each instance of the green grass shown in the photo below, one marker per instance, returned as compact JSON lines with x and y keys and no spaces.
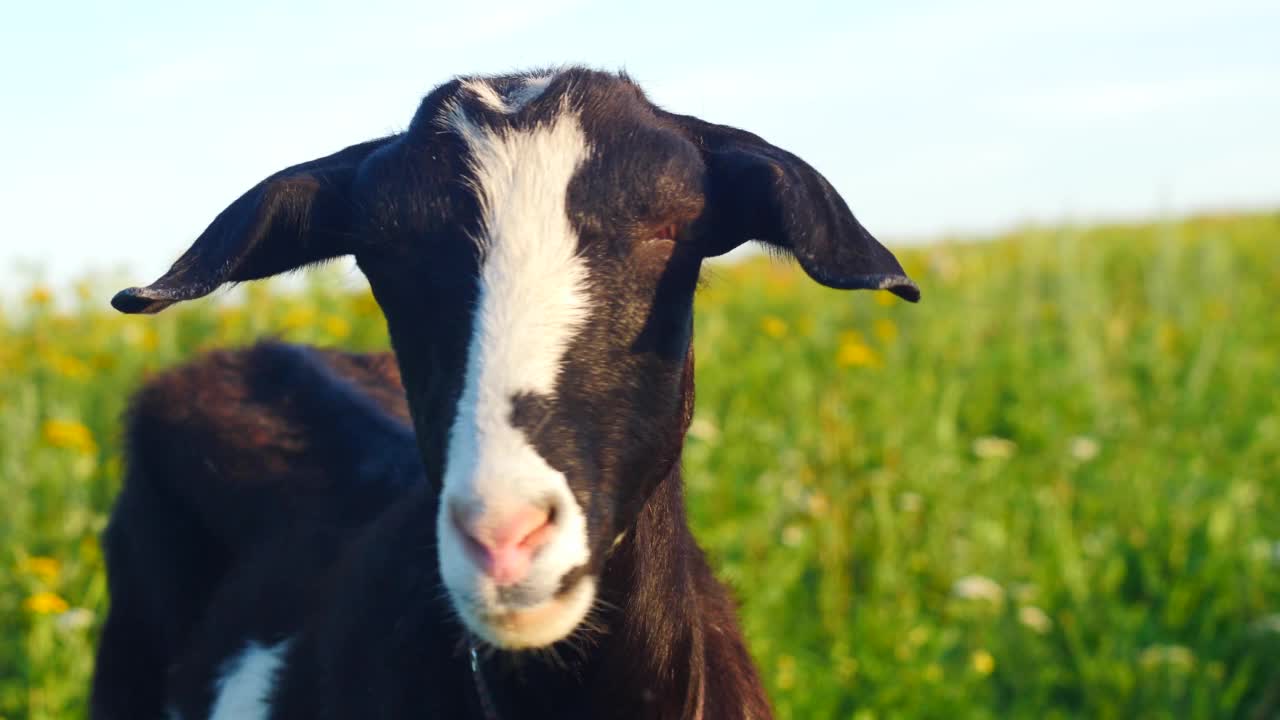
{"x":1052,"y":489}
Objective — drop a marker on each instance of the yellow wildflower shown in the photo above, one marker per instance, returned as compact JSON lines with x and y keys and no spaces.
{"x":1168,"y":337}
{"x":69,"y":366}
{"x":337,"y":327}
{"x":773,"y":326}
{"x":846,"y":667}
{"x":885,"y":330}
{"x":884,"y":298}
{"x":982,"y":661}
{"x":786,"y":672}
{"x":298,"y":317}
{"x":140,"y":335}
{"x":45,"y":603}
{"x":40,"y":295}
{"x":69,"y":434}
{"x":365,"y":305}
{"x":854,"y":352}
{"x":230,"y":321}
{"x":918,"y":635}
{"x":45,"y":568}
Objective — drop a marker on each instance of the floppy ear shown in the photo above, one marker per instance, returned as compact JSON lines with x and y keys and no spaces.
{"x":756,"y":191}
{"x":296,"y":217}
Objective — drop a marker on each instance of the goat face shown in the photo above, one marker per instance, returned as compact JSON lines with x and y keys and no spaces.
{"x":535,"y":242}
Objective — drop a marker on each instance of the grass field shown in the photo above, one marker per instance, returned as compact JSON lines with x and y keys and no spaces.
{"x":1052,"y":489}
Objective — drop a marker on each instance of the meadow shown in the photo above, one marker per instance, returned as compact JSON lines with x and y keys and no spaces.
{"x":1050,"y":490}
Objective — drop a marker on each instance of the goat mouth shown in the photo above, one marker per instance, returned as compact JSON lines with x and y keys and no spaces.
{"x":532,"y":626}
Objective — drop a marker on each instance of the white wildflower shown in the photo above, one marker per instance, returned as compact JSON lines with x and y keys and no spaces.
{"x":977,"y":587}
{"x":704,"y":430}
{"x":1084,"y":448}
{"x":910,"y":502}
{"x":77,"y":618}
{"x":1267,"y":624}
{"x":1174,"y":656}
{"x":792,"y":535}
{"x":991,"y":447}
{"x":1035,"y":619}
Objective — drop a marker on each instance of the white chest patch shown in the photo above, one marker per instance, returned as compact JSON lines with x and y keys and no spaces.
{"x":532,"y":300}
{"x":243,"y":692}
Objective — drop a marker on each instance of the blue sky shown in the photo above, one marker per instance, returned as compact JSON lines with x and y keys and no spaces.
{"x":127,"y":126}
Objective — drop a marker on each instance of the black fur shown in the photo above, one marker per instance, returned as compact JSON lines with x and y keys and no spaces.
{"x":278,"y":494}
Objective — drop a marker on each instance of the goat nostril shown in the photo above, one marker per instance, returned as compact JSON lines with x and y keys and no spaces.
{"x":540,"y":534}
{"x":502,"y":544}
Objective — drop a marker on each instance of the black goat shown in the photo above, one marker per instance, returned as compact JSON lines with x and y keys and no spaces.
{"x":286,"y":547}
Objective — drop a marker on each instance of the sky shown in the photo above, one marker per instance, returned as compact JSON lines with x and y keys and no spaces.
{"x":125,"y":127}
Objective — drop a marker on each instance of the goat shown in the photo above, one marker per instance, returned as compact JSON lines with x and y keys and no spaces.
{"x":491,"y":524}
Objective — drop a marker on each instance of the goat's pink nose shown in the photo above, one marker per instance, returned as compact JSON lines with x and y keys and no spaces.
{"x":503,"y":547}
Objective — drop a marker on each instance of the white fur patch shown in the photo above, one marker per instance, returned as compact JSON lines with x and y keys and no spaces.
{"x":244,"y":689}
{"x":532,"y":299}
{"x":527,"y":91}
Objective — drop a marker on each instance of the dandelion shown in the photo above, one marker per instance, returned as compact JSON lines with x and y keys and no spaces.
{"x":978,"y":587}
{"x":337,"y":327}
{"x":39,"y":296}
{"x":846,"y":667}
{"x":786,"y":672}
{"x":69,"y":366}
{"x":46,"y":569}
{"x":884,"y":298}
{"x":982,"y":662}
{"x":1167,"y":337}
{"x":365,"y":305}
{"x":1034,"y":618}
{"x":918,"y":636}
{"x":773,"y":326}
{"x":854,"y":351}
{"x":885,"y":330}
{"x":298,"y":317}
{"x":991,"y":447}
{"x":140,"y":336}
{"x":45,"y":603}
{"x":70,"y":435}
{"x":230,"y":320}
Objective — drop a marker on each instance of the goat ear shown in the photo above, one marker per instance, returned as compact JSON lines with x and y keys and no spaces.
{"x":298,"y":216}
{"x":756,"y":191}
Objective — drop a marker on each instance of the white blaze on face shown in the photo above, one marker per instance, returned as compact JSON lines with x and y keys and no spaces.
{"x":532,"y":299}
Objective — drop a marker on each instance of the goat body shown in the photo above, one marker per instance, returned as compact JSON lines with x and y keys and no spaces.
{"x":274,"y":499}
